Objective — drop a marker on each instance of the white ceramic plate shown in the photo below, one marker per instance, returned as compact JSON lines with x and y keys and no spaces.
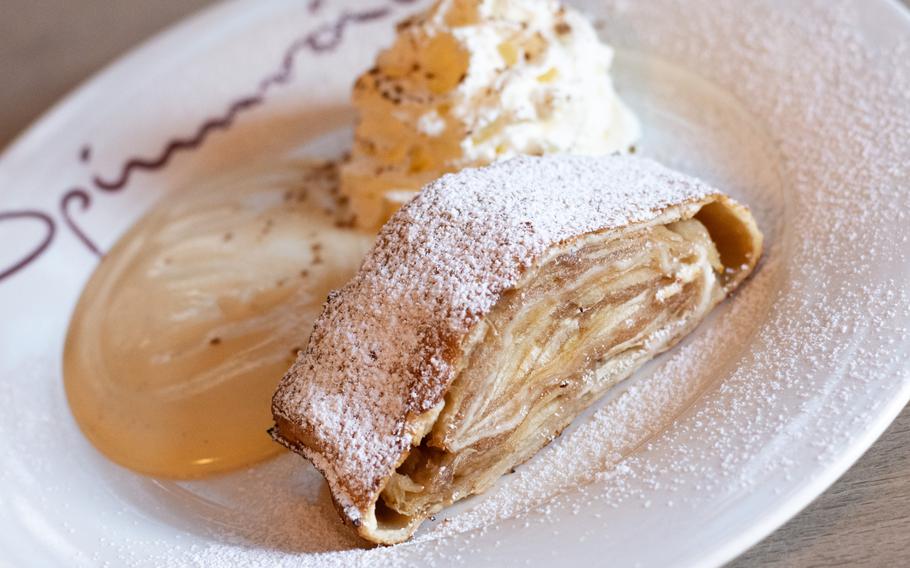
{"x":800,"y":109}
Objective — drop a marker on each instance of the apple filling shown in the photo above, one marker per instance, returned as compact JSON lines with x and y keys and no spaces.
{"x":584,"y":318}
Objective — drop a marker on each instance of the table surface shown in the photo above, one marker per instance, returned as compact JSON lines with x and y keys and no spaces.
{"x":52,"y":45}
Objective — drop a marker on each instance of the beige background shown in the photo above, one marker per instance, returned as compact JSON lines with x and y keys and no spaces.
{"x":49,"y":46}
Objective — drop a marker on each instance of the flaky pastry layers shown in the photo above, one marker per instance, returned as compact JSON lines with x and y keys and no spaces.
{"x":494,"y":308}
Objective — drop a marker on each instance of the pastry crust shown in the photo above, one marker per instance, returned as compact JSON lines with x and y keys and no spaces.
{"x":493,"y":308}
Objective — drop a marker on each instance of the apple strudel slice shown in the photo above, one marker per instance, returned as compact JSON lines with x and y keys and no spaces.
{"x":493,"y":308}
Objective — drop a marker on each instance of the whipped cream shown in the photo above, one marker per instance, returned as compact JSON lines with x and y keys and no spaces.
{"x":470,"y":82}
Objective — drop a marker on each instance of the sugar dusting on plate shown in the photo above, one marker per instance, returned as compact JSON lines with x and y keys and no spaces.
{"x":808,"y":76}
{"x":818,"y":333}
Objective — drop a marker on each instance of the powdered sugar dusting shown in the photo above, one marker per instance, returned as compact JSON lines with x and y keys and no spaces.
{"x":813,"y":351}
{"x":820,"y":332}
{"x":637,"y":412}
{"x":383,"y":348}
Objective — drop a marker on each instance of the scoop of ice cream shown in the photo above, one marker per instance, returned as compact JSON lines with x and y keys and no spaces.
{"x":470,"y":82}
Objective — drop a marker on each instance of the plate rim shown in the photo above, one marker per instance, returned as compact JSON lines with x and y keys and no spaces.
{"x":767,"y":523}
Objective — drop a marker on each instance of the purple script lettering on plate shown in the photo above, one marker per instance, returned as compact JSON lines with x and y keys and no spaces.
{"x":323,"y":39}
{"x":85,"y":201}
{"x":33,"y":253}
{"x":175,"y":145}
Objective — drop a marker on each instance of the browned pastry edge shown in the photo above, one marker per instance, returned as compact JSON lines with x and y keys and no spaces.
{"x":354,"y":496}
